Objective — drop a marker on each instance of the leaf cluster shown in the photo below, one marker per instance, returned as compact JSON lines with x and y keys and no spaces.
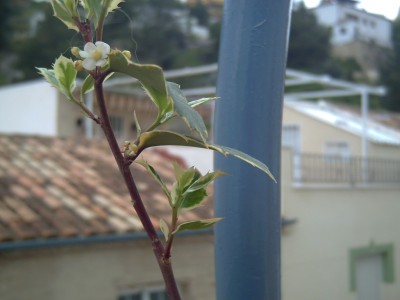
{"x":190,"y":187}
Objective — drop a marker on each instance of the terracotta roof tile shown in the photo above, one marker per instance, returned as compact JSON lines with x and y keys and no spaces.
{"x":53,"y":187}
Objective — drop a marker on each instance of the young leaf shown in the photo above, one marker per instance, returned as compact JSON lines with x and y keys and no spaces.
{"x":203,"y":181}
{"x":185,"y":179}
{"x":160,"y":138}
{"x":138,"y":128}
{"x":191,"y":117}
{"x":164,"y":229}
{"x":193,"y":199}
{"x":87,"y":86}
{"x":150,"y":76}
{"x":49,"y":75}
{"x":113,"y":5}
{"x":65,"y":73}
{"x":157,"y":177}
{"x":93,"y":9}
{"x":194,"y":225}
{"x":62,"y":12}
{"x":201,"y":101}
{"x":178,"y":170}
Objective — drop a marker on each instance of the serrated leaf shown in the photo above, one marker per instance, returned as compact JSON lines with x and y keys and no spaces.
{"x":193,"y":199}
{"x":65,"y":73}
{"x":201,"y":101}
{"x":161,"y":138}
{"x":62,"y":12}
{"x":71,"y":6}
{"x":87,"y":86}
{"x":49,"y":75}
{"x":195,"y":225}
{"x":150,"y":76}
{"x":164,"y":229}
{"x":191,"y":117}
{"x":157,"y":177}
{"x":93,"y":9}
{"x":203,"y":181}
{"x":113,"y":5}
{"x":185,"y":179}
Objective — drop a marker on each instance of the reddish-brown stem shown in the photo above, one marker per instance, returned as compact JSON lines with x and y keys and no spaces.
{"x":158,"y":248}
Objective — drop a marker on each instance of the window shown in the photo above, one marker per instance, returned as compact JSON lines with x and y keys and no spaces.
{"x":291,"y":137}
{"x":145,"y":294}
{"x":117,"y":124}
{"x":337,"y":149}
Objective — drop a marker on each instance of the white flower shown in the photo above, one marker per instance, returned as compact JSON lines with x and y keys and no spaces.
{"x":94,"y":55}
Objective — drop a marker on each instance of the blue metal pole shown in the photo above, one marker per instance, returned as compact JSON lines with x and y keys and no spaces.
{"x":249,"y":117}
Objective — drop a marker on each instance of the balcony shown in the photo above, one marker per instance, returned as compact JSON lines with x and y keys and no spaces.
{"x":312,"y":169}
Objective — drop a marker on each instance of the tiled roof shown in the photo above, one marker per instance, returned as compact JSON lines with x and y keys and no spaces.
{"x":53,"y":187}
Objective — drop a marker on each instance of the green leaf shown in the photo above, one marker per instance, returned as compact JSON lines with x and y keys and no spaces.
{"x":161,"y":138}
{"x":164,"y":229}
{"x":191,"y":117}
{"x":201,"y":101}
{"x":138,"y":128}
{"x":194,"y":225}
{"x":157,"y":177}
{"x":113,"y":5}
{"x":71,"y":6}
{"x":193,"y":199}
{"x":203,"y":181}
{"x":185,"y":179}
{"x":65,"y":73}
{"x":87,"y":86}
{"x":150,"y":76}
{"x":49,"y":75}
{"x":93,"y":9}
{"x":64,"y":13}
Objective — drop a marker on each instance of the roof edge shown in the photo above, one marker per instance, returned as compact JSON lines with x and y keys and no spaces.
{"x":76,"y":241}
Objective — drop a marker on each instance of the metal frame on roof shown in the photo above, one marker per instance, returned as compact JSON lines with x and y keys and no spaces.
{"x":340,"y":88}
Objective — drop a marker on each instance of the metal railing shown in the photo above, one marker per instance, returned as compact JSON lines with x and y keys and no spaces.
{"x":322,"y":169}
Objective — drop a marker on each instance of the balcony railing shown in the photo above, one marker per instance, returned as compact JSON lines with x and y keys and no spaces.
{"x":321,"y":169}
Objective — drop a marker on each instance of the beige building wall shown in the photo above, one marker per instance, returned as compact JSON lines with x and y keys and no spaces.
{"x":102,"y":271}
{"x":331,"y":222}
{"x":314,"y":134}
{"x":69,"y":118}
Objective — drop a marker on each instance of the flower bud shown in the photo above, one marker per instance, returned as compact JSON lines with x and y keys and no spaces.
{"x":78,"y":65}
{"x":133,"y":148}
{"x":127,"y":54}
{"x":75,"y":52}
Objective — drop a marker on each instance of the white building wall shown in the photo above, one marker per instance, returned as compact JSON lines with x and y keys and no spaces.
{"x":350,"y":24}
{"x":28,"y":108}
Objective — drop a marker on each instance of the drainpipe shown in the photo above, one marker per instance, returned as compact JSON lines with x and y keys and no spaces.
{"x":249,"y":118}
{"x":364,"y":140}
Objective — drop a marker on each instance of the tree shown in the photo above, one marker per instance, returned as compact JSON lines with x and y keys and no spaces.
{"x":200,"y":12}
{"x":309,"y":44}
{"x":41,"y":48}
{"x":391,"y":72}
{"x":153,"y":23}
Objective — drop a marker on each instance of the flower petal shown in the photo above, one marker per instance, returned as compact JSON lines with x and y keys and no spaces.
{"x":101,"y":62}
{"x":89,"y":47}
{"x":84,"y":54}
{"x":104,"y":47}
{"x":89,"y":64}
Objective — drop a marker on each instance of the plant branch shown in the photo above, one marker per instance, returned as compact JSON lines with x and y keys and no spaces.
{"x":167,"y":252}
{"x":88,"y":112}
{"x":158,"y":248}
